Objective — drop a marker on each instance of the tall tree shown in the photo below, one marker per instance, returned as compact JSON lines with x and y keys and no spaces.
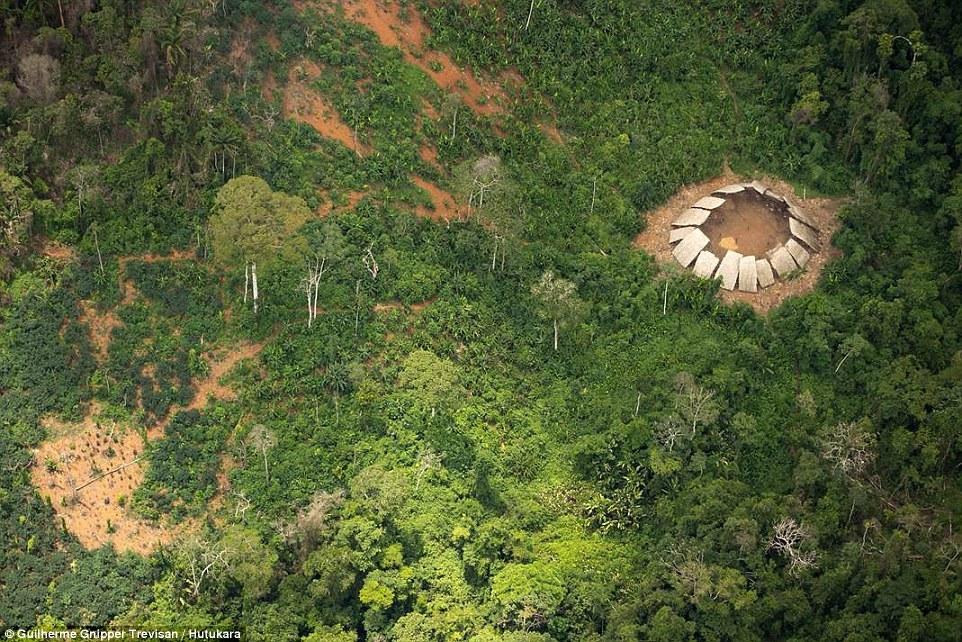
{"x":255,"y":226}
{"x":558,"y":302}
{"x":326,"y":246}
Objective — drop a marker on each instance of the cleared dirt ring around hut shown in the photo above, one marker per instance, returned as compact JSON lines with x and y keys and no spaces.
{"x":762,"y":240}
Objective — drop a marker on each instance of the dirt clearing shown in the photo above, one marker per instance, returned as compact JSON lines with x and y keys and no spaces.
{"x":405,"y":29}
{"x":305,"y":105}
{"x":445,"y":208}
{"x":96,"y":514}
{"x":654,"y":239}
{"x":328,"y":206}
{"x":77,"y":453}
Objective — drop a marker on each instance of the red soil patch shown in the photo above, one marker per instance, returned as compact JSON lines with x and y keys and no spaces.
{"x":81,"y":452}
{"x":100,"y":326}
{"x":54,"y":250}
{"x":408,"y":32}
{"x":429,"y":155}
{"x":445,"y":207}
{"x":272,"y":41}
{"x":328,"y":207}
{"x":428,"y":110}
{"x":654,"y":239}
{"x":269,"y":86}
{"x":126,"y":287}
{"x":397,"y":305}
{"x":552,"y":132}
{"x":175,"y":255}
{"x":305,"y":105}
{"x":239,"y":56}
{"x":210,"y":387}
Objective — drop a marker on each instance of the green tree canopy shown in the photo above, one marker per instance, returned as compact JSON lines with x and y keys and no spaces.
{"x":251,"y":222}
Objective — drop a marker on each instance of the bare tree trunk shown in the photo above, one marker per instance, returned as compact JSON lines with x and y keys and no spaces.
{"x":494,"y":255}
{"x":254,"y":284}
{"x":847,"y":355}
{"x":312,"y":284}
{"x":556,"y":335}
{"x":317,"y":286}
{"x":357,"y":305}
{"x":100,"y":259}
{"x":530,"y":11}
{"x":310,"y":312}
{"x":247,"y":279}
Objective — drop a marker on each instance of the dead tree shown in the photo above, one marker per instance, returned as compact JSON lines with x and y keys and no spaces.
{"x":689,"y":572}
{"x":254,"y":284}
{"x":527,"y":23}
{"x":787,"y":538}
{"x":357,"y":305}
{"x":202,"y":559}
{"x":307,"y":527}
{"x":694,"y":403}
{"x":242,"y":505}
{"x":263,"y":440}
{"x":428,"y":460}
{"x":668,"y":432}
{"x":498,"y":241}
{"x":250,"y":282}
{"x":312,"y":283}
{"x":370,"y":262}
{"x":850,"y":447}
{"x":482,"y":186}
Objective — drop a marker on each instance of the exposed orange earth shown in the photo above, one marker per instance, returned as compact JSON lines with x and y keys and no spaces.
{"x":305,"y":105}
{"x":429,"y":155}
{"x":328,"y":207}
{"x":76,"y":453}
{"x":79,"y":452}
{"x":445,"y":207}
{"x":405,"y":29}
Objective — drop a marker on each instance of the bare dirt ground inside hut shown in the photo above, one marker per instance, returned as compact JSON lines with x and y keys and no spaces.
{"x":654,"y":239}
{"x":747,"y":223}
